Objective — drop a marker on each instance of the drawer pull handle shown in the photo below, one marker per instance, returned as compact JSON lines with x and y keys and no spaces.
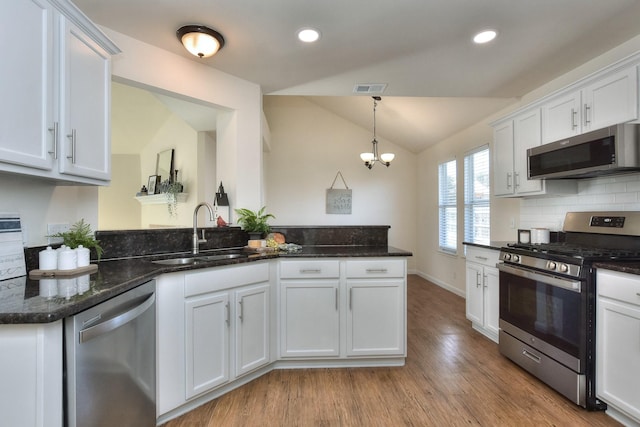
{"x":531,"y":356}
{"x":638,"y":294}
{"x":376,"y":270}
{"x":310,"y":271}
{"x":482,"y":258}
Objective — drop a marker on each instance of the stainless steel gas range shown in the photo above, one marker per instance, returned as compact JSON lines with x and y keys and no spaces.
{"x":548,"y":298}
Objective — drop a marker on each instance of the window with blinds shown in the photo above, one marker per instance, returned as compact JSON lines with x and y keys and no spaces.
{"x":448,"y":237}
{"x":476,"y":197}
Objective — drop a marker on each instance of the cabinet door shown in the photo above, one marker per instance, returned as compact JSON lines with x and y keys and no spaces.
{"x":475,"y":293}
{"x":375,"y":317}
{"x":561,"y":117}
{"x":526,"y":134}
{"x":85,"y":148}
{"x":252,"y":328}
{"x":618,"y":355}
{"x":207,"y":342}
{"x":26,"y":84}
{"x":170,"y":338}
{"x":503,"y":159}
{"x":31,"y":371}
{"x":610,"y":100}
{"x":491,"y":281}
{"x":309,"y":318}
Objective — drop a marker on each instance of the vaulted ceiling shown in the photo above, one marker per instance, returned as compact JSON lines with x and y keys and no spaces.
{"x":437,"y":81}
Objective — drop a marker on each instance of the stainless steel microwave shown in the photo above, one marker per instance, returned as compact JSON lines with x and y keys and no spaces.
{"x":606,"y":151}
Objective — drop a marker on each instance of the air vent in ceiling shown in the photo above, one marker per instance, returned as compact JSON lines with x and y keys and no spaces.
{"x":369,"y":88}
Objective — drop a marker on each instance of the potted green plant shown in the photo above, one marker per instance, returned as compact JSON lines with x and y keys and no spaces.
{"x":80,"y":234}
{"x":172,"y":190}
{"x":254,"y":223}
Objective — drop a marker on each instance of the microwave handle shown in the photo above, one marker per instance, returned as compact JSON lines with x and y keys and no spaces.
{"x":571,"y":285}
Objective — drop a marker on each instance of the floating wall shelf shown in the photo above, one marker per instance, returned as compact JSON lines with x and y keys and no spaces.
{"x":160,"y":199}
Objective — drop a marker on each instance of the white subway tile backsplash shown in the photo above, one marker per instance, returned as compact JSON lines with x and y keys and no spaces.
{"x":621,"y":193}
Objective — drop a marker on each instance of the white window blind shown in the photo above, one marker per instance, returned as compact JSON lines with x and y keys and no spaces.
{"x":476,"y":197}
{"x":448,"y":237}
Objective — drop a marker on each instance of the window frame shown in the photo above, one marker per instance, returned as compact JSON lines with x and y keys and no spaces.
{"x":470,"y":202}
{"x":445,"y":208}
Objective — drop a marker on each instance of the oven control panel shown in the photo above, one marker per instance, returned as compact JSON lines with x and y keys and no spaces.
{"x":607,"y":221}
{"x":542,"y":264}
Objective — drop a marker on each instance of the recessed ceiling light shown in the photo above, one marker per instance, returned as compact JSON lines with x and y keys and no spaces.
{"x":308,"y":35}
{"x":485,"y":36}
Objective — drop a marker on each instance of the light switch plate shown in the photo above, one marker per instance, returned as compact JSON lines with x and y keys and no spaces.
{"x":54,"y":229}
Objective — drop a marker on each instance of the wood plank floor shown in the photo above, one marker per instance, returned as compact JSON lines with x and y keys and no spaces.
{"x":453,"y":377}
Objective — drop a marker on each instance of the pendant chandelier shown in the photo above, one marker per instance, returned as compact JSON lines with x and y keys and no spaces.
{"x":370,"y":159}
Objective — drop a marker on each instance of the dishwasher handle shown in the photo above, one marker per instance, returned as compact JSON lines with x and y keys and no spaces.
{"x":115,"y":322}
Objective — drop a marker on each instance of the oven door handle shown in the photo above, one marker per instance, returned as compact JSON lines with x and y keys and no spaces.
{"x":571,"y":285}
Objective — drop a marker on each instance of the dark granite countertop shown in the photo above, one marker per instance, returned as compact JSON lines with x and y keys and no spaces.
{"x":631,"y":267}
{"x":492,"y":244}
{"x":25,"y":300}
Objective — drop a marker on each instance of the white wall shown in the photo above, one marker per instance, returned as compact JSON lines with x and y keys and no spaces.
{"x":308,"y":146}
{"x":238,"y":130}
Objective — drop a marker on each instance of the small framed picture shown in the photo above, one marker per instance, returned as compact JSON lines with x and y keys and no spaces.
{"x":153,"y":183}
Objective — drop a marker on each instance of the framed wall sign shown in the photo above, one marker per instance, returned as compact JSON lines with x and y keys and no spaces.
{"x":339,"y":199}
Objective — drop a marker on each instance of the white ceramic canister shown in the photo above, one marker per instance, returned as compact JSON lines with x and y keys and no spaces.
{"x":540,"y":235}
{"x":82,"y":255}
{"x":48,"y":259}
{"x":67,"y":259}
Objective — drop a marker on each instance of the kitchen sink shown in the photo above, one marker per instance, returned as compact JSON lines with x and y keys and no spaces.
{"x":197,"y":259}
{"x":176,"y":261}
{"x":220,"y":257}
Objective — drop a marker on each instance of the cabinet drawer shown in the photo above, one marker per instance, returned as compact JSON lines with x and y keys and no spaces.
{"x":621,"y":286}
{"x":218,"y":278}
{"x":484,"y":256}
{"x":309,"y":268}
{"x":376,"y":268}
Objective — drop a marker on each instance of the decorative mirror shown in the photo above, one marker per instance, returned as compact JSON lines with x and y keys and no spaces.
{"x":164,"y":165}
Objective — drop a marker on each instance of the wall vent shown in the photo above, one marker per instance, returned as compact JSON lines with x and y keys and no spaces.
{"x":369,"y":88}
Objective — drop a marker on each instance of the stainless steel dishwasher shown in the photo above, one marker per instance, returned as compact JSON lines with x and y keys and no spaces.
{"x":110,"y":363}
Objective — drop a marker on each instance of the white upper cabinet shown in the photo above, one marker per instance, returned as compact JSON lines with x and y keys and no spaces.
{"x":511,"y":139}
{"x":526,"y":134}
{"x":608,"y":100}
{"x":85,"y":93}
{"x":55,"y":107}
{"x":26,"y":84}
{"x":503,"y":159}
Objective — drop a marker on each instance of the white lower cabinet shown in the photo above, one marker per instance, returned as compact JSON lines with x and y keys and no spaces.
{"x":310,"y":318}
{"x":309,"y":308}
{"x":206,"y":342}
{"x":618,"y":344}
{"x":31,"y":375}
{"x":483,"y":290}
{"x":213,"y":327}
{"x":342,"y":308}
{"x":376,"y":317}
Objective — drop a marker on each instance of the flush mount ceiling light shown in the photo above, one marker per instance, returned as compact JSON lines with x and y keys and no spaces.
{"x":370,"y":159}
{"x":201,"y":41}
{"x":308,"y":35}
{"x":485,"y":36}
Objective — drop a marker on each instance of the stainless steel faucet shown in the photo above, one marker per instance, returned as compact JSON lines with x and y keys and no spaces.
{"x":196,"y":240}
